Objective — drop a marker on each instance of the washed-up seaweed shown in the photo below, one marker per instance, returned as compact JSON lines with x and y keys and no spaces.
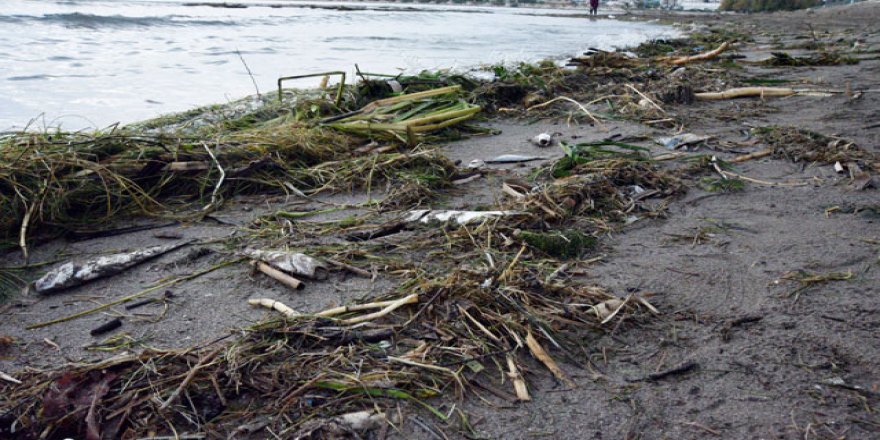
{"x":408,"y":117}
{"x":799,"y":145}
{"x":467,"y":311}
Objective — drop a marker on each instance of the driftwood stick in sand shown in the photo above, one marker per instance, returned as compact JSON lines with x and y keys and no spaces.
{"x":539,"y":353}
{"x":519,"y":385}
{"x":280,"y":276}
{"x":703,"y":56}
{"x":750,"y":156}
{"x":744,"y":92}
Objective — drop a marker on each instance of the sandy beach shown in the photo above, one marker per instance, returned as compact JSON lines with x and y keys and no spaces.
{"x":636,"y":283}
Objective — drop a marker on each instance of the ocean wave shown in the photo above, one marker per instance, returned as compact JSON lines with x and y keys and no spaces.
{"x":91,"y":21}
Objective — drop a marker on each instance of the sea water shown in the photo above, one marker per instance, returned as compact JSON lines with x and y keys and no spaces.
{"x":90,"y":63}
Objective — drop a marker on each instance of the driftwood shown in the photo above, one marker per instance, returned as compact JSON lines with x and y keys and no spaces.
{"x":386,"y":306}
{"x":753,"y":155}
{"x":744,"y":92}
{"x":701,"y":57}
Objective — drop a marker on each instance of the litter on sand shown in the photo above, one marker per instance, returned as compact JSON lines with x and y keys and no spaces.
{"x":678,"y":141}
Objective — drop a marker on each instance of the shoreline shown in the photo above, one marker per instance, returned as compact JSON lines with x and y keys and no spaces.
{"x":755,"y":262}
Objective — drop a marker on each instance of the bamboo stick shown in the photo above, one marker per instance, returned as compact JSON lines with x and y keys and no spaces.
{"x":409,"y":299}
{"x":280,"y":276}
{"x":278,"y":306}
{"x":742,"y":92}
{"x":189,"y":377}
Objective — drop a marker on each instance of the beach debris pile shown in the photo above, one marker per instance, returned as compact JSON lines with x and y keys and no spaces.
{"x":485,"y":299}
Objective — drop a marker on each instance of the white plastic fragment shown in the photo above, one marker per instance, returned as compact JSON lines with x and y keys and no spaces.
{"x":476,"y":163}
{"x":543,"y":140}
{"x":293,"y":263}
{"x":361,"y":420}
{"x":838,"y":167}
{"x":428,"y":216}
{"x":72,"y":274}
{"x":678,"y":141}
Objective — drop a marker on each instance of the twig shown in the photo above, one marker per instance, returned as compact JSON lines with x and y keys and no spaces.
{"x":727,"y":174}
{"x":519,"y":385}
{"x":213,"y":203}
{"x":539,"y":352}
{"x":248,"y":71}
{"x":645,"y":97}
{"x":565,"y":98}
{"x":678,"y":369}
{"x":479,"y":325}
{"x":350,"y":268}
{"x":750,"y":156}
{"x":189,"y":377}
{"x":512,"y":264}
{"x":409,"y":299}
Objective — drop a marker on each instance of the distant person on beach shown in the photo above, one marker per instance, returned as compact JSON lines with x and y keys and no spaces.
{"x":594,"y":7}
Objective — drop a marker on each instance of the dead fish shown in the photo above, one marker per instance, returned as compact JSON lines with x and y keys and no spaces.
{"x":428,"y":216}
{"x":293,"y":263}
{"x":72,"y":274}
{"x":514,"y":158}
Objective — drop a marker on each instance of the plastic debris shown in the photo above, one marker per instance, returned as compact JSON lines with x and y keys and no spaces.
{"x":543,"y":140}
{"x":676,"y":142}
{"x":72,"y":274}
{"x":476,"y":163}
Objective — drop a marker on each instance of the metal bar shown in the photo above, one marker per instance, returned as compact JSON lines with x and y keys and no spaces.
{"x":311,"y":75}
